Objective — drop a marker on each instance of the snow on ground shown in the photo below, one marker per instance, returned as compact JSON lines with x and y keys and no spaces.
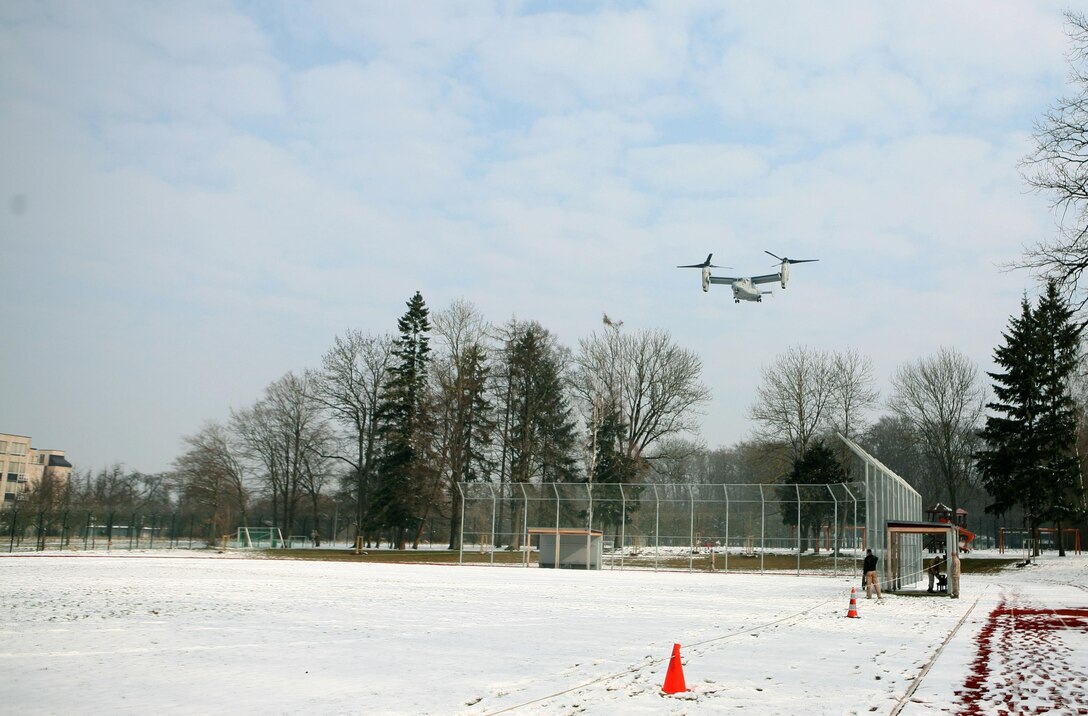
{"x":206,"y":633}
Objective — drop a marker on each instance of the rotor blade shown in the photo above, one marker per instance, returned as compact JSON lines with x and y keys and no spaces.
{"x":705,"y":264}
{"x":787,"y":260}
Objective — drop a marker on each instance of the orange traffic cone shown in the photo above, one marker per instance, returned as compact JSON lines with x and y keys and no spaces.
{"x":674,"y":678}
{"x":853,"y":613}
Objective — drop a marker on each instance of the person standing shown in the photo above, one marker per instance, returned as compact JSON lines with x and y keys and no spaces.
{"x":934,"y":571}
{"x":868,"y":572}
{"x":954,"y":575}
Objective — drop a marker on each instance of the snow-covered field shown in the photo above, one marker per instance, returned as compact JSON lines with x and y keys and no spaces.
{"x":203,"y":633}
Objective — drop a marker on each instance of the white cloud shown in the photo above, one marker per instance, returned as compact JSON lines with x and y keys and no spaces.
{"x":214,"y":195}
{"x":554,"y":62}
{"x":699,"y":169}
{"x":377,"y":125}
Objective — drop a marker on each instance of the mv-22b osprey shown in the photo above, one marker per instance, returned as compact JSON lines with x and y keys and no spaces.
{"x":745,"y":288}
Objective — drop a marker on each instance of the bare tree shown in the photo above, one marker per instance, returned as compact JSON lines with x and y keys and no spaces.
{"x":210,"y":474}
{"x":853,"y":395}
{"x":651,"y":384}
{"x":465,"y":416}
{"x":350,"y":388}
{"x":795,"y":399}
{"x":48,"y":493}
{"x":893,"y":439}
{"x":807,"y":392}
{"x":111,"y":490}
{"x":282,"y":433}
{"x":1058,"y":166}
{"x":943,"y":399}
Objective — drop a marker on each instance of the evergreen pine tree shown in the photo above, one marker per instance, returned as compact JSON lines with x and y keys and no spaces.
{"x":543,"y":435}
{"x":473,"y":431}
{"x":403,"y":463}
{"x":811,"y":473}
{"x":611,"y":467}
{"x":1029,"y":457}
{"x":1059,"y":339}
{"x":539,"y":428}
{"x":1007,"y":461}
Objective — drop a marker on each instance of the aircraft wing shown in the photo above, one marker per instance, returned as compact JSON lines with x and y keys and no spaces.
{"x":723,"y":279}
{"x":767,"y":278}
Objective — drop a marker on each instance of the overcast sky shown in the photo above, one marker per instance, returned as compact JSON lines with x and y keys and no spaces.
{"x":197,"y":197}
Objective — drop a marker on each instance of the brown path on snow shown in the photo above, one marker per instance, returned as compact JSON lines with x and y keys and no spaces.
{"x":1025,"y":662}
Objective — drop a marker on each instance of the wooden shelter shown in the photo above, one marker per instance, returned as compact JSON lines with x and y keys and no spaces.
{"x":907,"y":537}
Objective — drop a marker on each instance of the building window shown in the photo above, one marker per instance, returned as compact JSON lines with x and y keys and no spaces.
{"x":3,"y":446}
{"x":9,"y":497}
{"x":18,"y":448}
{"x":16,"y":471}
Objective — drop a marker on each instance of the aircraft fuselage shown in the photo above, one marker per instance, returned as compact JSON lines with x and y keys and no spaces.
{"x":745,"y":290}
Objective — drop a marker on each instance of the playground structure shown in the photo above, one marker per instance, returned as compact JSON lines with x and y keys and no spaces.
{"x":941,"y":513}
{"x":826,"y":538}
{"x":1027,"y":541}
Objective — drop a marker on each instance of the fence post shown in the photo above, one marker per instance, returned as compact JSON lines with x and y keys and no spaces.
{"x":460,"y":537}
{"x":39,"y":541}
{"x":623,"y":528}
{"x":11,"y":537}
{"x":762,"y":527}
{"x":691,"y":530}
{"x":725,"y":488}
{"x":657,"y":526}
{"x":798,"y":489}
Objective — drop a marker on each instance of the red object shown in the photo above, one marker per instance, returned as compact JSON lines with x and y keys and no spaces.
{"x":674,"y":678}
{"x":853,"y":613}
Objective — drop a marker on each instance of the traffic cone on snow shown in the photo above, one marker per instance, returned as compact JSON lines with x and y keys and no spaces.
{"x":853,"y":613}
{"x":674,"y":678}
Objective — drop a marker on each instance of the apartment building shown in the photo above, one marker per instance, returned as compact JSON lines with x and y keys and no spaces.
{"x":22,"y":467}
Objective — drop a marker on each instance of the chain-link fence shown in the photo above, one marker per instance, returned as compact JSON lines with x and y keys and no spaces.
{"x":27,"y":530}
{"x":24,"y":530}
{"x":666,"y":526}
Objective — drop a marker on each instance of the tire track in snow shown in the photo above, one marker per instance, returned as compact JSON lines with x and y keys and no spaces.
{"x":698,"y":647}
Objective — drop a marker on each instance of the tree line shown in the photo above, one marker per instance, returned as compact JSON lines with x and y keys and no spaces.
{"x":389,"y":425}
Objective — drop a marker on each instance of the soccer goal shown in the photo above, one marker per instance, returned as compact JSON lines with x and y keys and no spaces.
{"x":258,"y":537}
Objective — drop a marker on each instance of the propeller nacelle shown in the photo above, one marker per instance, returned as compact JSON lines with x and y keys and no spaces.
{"x":705,"y":266}
{"x":784,"y":266}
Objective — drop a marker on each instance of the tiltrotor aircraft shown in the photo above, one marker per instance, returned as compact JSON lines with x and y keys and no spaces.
{"x":745,"y":287}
